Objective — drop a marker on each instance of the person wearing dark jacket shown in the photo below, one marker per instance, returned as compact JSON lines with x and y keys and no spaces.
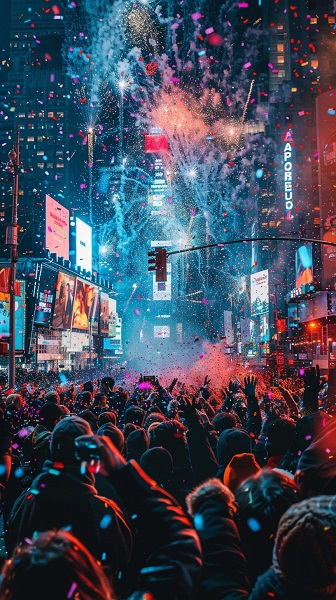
{"x":63,"y":496}
{"x":304,"y":557}
{"x":223,"y":574}
{"x":170,"y":561}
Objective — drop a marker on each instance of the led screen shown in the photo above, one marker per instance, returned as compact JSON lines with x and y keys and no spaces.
{"x":45,"y":298}
{"x":83,"y":245}
{"x":84,"y":305}
{"x":304,"y":265}
{"x":259,"y":293}
{"x":20,"y":313}
{"x":104,"y":313}
{"x":57,"y":228}
{"x":64,"y":301}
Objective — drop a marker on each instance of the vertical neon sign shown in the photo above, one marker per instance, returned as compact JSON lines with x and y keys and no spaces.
{"x":288,"y":173}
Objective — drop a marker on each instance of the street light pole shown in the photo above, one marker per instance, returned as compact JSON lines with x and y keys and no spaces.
{"x":12,"y":241}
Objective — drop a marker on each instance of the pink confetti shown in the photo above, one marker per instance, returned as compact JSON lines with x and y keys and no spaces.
{"x":195,"y":16}
{"x":247,"y":65}
{"x":209,"y":30}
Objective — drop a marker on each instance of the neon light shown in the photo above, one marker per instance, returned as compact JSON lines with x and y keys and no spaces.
{"x":288,"y":174}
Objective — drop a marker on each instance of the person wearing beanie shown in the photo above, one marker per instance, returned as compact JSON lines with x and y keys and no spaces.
{"x":304,"y":555}
{"x":214,"y":509}
{"x":53,"y":396}
{"x":230,"y":443}
{"x":116,"y":436}
{"x":240,"y":467}
{"x":262,"y":500}
{"x":107,"y":417}
{"x":64,"y":495}
{"x":137,"y":443}
{"x":135,"y":415}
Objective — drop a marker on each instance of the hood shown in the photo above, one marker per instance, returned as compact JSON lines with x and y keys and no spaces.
{"x":230,"y":443}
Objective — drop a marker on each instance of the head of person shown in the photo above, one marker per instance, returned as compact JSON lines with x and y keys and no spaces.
{"x":62,"y":444}
{"x":107,"y":384}
{"x":153,"y":417}
{"x":135,"y":415}
{"x":241,"y":467}
{"x":137,"y":443}
{"x":305,"y":547}
{"x":158,"y":464}
{"x":50,"y":414}
{"x":107,"y":416}
{"x":114,"y":434}
{"x":231,"y":442}
{"x":224,"y":421}
{"x":16,"y":400}
{"x":262,"y":500}
{"x":54,"y":564}
{"x":171,"y":436}
{"x":53,"y":396}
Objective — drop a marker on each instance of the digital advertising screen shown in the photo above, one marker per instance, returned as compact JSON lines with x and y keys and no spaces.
{"x":104,"y":313}
{"x":83,"y":245}
{"x":304,"y":265}
{"x":84,"y":305}
{"x":94,"y":309}
{"x":20,"y":316}
{"x":57,"y":228}
{"x":64,"y":301}
{"x":259,"y":293}
{"x":45,"y":298}
{"x":113,"y":317}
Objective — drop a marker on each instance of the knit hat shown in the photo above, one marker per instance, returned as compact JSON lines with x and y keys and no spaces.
{"x":116,"y":436}
{"x":136,"y":415}
{"x":240,"y":467}
{"x":49,"y":413}
{"x":52,"y":396}
{"x":305,"y":546}
{"x":62,"y":445}
{"x":108,"y":416}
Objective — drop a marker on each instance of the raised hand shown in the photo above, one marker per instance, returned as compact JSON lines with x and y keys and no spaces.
{"x":206,"y":381}
{"x":234,"y":387}
{"x":250,"y":384}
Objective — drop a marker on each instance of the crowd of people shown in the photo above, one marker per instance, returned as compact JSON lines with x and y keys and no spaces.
{"x":172,"y":492}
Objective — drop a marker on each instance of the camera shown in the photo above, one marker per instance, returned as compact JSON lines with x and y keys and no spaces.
{"x":88,"y":453}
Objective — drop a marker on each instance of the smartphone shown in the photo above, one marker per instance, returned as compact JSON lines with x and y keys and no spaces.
{"x":150,"y":378}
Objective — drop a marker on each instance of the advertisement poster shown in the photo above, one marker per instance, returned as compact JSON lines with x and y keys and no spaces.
{"x":84,"y":305}
{"x":94,"y":309}
{"x":83,"y":245}
{"x":45,"y":298}
{"x":57,"y":228}
{"x":64,"y":301}
{"x":304,"y":265}
{"x":113,"y":317}
{"x":20,"y":314}
{"x":104,"y":313}
{"x":259,"y":293}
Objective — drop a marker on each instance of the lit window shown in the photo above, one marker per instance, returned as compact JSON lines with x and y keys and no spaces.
{"x":313,"y":20}
{"x":59,"y":166}
{"x":281,"y":73}
{"x":314,"y":63}
{"x":280,"y":26}
{"x":30,"y":139}
{"x":331,"y":20}
{"x":280,"y":47}
{"x":281,"y":60}
{"x":21,"y":115}
{"x":50,"y":114}
{"x":40,"y":165}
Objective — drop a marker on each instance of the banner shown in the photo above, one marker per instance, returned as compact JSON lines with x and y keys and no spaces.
{"x":228,"y":329}
{"x":57,"y":228}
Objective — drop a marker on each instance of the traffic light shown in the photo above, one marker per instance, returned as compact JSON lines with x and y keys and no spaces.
{"x":157,"y":261}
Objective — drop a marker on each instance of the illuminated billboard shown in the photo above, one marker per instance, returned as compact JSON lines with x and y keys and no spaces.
{"x":45,"y":298}
{"x":259,"y":293}
{"x":326,"y":148}
{"x":94,"y":308}
{"x":304,"y":265}
{"x":288,"y":161}
{"x":57,"y":228}
{"x":162,"y":289}
{"x":20,"y":314}
{"x":84,"y":304}
{"x":113,"y":317}
{"x":104,"y":313}
{"x":64,"y":301}
{"x":83,"y":245}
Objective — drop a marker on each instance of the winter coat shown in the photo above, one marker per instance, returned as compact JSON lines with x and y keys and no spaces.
{"x":63,"y":497}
